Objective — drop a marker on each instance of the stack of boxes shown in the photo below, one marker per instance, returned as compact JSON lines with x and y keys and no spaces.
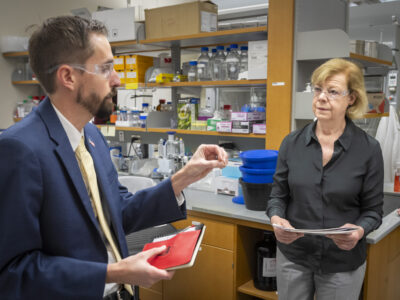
{"x":132,"y":68}
{"x":243,"y":122}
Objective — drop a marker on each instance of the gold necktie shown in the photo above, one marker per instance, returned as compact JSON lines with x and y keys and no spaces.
{"x":85,"y":162}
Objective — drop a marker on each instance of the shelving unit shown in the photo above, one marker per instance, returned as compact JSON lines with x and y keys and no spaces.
{"x":203,"y":39}
{"x":313,"y":48}
{"x":249,"y":289}
{"x":26,"y":82}
{"x":190,"y":132}
{"x":217,"y":83}
{"x":17,"y":54}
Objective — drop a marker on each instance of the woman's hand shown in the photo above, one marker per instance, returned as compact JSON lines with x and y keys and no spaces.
{"x":281,"y":235}
{"x":349,"y":240}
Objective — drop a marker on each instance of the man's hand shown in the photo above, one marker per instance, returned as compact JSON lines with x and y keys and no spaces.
{"x":136,"y":270}
{"x":347,"y":241}
{"x":206,"y":158}
{"x":281,"y":235}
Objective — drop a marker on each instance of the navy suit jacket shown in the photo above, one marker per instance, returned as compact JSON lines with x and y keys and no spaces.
{"x":50,"y":242}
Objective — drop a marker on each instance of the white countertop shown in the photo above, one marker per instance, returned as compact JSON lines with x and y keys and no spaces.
{"x":222,"y":205}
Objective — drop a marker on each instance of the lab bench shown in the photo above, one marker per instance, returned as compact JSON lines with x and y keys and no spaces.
{"x":226,"y":262}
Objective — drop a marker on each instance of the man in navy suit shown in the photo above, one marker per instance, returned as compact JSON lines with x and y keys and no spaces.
{"x":51,"y":244}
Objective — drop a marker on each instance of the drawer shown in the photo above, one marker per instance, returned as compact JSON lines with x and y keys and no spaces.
{"x":217,"y":234}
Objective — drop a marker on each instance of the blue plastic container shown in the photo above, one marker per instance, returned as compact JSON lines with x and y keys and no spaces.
{"x":257,"y":175}
{"x":259,"y":159}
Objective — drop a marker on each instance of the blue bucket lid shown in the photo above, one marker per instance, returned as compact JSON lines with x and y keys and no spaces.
{"x":257,"y":171}
{"x":259,"y":155}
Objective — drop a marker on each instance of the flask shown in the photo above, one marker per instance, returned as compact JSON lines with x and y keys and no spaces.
{"x":203,"y":62}
{"x":192,"y":74}
{"x":396,"y":187}
{"x":232,"y":63}
{"x":244,"y":59}
{"x":218,"y":65}
{"x":265,"y":277}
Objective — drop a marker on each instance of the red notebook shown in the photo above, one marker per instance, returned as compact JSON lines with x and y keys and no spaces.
{"x":181,"y":251}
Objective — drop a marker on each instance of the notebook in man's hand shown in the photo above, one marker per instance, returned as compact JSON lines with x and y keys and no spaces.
{"x":182,"y":248}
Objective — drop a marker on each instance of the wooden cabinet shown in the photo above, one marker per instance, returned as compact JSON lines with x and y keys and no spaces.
{"x":212,"y":276}
{"x":224,"y":265}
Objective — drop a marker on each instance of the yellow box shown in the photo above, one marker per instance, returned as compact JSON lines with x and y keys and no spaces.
{"x":122,"y":76}
{"x":119,"y":62}
{"x":133,"y":76}
{"x":134,"y":62}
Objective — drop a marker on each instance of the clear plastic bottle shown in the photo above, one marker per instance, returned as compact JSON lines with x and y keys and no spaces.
{"x":145,"y":107}
{"x":181,"y":148}
{"x":161,"y":152}
{"x":244,"y":59}
{"x":203,"y":65}
{"x":233,"y":63}
{"x":168,"y":106}
{"x":396,"y":186}
{"x":135,"y":118}
{"x":170,"y":146}
{"x":192,"y":74}
{"x":265,"y":277}
{"x":218,"y":65}
{"x":211,"y":63}
{"x":142,"y":121}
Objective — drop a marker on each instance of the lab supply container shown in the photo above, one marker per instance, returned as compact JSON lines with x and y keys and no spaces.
{"x":257,"y":175}
{"x":255,"y":194}
{"x":259,"y":159}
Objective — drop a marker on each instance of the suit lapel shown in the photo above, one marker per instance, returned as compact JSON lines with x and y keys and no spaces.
{"x":66,"y":155}
{"x":105,"y":192}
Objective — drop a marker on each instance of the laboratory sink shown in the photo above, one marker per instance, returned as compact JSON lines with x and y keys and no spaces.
{"x":390,"y":203}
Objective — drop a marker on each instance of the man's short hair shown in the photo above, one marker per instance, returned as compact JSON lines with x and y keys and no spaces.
{"x":61,"y":40}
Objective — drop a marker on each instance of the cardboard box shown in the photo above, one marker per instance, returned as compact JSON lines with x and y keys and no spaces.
{"x":258,"y":59}
{"x":135,"y":76}
{"x":224,"y":126}
{"x":136,"y":62}
{"x":120,"y":23}
{"x":182,"y":19}
{"x":248,"y":116}
{"x":243,"y":126}
{"x":119,"y":63}
{"x":376,"y":102}
{"x":259,"y":128}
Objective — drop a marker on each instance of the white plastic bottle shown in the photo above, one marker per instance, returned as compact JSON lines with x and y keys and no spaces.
{"x":218,"y":67}
{"x":233,"y":63}
{"x":203,"y":62}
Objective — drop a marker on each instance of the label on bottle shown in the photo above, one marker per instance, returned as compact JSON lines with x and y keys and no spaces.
{"x":269,"y":267}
